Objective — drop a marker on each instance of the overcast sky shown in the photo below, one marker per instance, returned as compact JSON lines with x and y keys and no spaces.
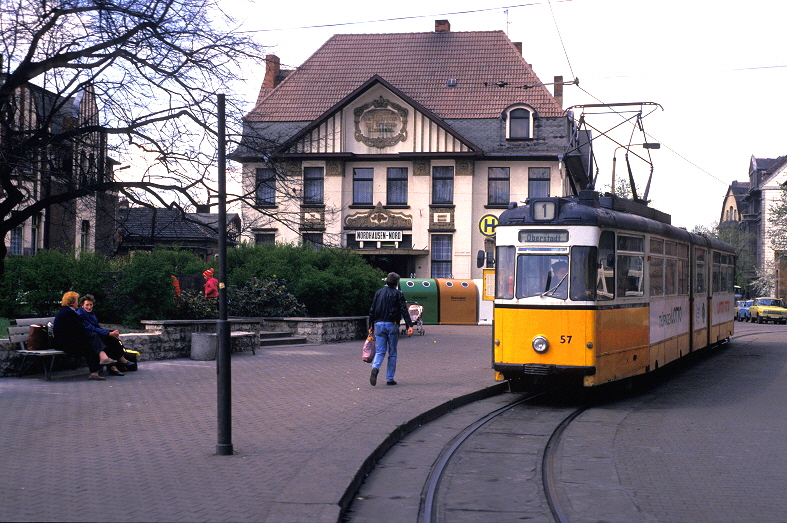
{"x":716,"y":68}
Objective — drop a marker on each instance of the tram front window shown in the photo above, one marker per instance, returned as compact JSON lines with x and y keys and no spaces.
{"x":539,"y":275}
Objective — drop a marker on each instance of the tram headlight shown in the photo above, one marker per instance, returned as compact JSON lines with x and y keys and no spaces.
{"x":540,"y":344}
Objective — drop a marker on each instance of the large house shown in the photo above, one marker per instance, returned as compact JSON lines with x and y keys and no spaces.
{"x":405,"y":147}
{"x":747,"y":206}
{"x":145,"y":228}
{"x":53,"y":165}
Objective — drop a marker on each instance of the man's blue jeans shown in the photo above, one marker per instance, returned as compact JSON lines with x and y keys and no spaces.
{"x":386,"y":336}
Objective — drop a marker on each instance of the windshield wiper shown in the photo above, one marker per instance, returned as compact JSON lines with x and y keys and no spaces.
{"x":552,"y":291}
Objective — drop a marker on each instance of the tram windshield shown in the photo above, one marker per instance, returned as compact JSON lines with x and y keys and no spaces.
{"x":529,"y":274}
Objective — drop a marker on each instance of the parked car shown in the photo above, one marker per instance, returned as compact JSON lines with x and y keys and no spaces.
{"x":768,"y":309}
{"x":742,"y":310}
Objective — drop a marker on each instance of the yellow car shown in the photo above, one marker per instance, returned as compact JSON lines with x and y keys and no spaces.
{"x":768,"y":309}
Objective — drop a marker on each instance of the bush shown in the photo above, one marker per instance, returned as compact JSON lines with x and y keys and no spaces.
{"x":268,"y":297}
{"x":194,"y":306}
{"x":144,"y":283}
{"x":329,"y":282}
{"x":280,"y":280}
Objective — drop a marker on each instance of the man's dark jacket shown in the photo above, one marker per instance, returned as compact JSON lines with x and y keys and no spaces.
{"x":389,"y":305}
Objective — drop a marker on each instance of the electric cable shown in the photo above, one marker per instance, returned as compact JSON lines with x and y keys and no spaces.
{"x":396,"y":19}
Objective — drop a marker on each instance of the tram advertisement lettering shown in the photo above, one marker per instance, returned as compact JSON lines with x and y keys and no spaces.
{"x":723,"y":306}
{"x":671,"y":317}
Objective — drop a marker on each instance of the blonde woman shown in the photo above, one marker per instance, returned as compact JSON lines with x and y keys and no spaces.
{"x":72,"y":337}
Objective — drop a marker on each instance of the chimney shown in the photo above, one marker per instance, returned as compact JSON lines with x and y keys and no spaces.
{"x":442,"y":26}
{"x":558,"y":90}
{"x":518,"y":46}
{"x":272,"y":71}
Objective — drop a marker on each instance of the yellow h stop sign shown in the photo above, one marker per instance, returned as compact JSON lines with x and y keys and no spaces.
{"x":487,"y":224}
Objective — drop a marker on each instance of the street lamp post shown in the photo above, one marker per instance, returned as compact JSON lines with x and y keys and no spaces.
{"x":223,"y":368}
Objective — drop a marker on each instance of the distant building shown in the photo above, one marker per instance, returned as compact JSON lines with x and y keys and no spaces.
{"x":405,"y":147}
{"x":144,"y":228}
{"x":747,"y":206}
{"x":84,"y":224}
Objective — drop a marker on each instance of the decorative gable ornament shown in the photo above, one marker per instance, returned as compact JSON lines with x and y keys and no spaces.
{"x":377,"y":218}
{"x":380,"y":123}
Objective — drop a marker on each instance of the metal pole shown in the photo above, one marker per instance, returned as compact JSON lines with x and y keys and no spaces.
{"x":223,"y":370}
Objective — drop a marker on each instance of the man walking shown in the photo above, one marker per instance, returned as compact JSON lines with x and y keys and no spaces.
{"x":388,"y":308}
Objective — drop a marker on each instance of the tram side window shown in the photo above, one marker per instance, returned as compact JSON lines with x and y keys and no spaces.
{"x":702,"y":285}
{"x":630,"y":267}
{"x":656,"y":267}
{"x":583,"y":273}
{"x":605,"y":278}
{"x":504,"y":272}
{"x":730,"y":269}
{"x":670,"y":269}
{"x":723,"y":272}
{"x":683,"y":268}
{"x":670,"y":276}
{"x":716,"y":272}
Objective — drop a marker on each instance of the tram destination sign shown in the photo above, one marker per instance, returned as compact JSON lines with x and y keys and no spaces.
{"x":378,"y":236}
{"x":543,"y":236}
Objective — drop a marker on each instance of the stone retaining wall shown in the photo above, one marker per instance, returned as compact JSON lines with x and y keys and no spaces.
{"x":320,"y":330}
{"x":169,"y":339}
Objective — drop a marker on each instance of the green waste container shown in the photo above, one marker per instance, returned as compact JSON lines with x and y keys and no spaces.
{"x":424,"y":292}
{"x":458,"y":301}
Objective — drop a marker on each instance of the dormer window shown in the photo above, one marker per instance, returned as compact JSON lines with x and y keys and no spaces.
{"x":520,"y":123}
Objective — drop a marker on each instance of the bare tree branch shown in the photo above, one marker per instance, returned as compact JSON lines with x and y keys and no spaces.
{"x":85,"y":84}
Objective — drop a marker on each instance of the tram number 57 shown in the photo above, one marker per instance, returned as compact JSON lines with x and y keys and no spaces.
{"x":565,"y":339}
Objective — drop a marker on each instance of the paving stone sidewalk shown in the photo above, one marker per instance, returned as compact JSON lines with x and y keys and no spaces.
{"x":142,"y":447}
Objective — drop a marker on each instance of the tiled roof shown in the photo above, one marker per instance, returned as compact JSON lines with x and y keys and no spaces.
{"x":169,"y":224}
{"x":419,"y":64}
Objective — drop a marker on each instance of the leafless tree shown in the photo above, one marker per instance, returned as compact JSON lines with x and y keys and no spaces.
{"x":121,"y":77}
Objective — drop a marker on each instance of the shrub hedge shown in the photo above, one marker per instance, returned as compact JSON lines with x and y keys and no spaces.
{"x":267,"y":280}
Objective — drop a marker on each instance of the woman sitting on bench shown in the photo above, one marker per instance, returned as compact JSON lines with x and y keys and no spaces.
{"x":111,"y":339}
{"x":72,"y":337}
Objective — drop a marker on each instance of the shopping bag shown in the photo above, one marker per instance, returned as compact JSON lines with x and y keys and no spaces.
{"x":368,"y":349}
{"x":38,"y":338}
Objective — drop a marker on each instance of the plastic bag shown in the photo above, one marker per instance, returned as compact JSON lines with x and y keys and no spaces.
{"x":368,"y":349}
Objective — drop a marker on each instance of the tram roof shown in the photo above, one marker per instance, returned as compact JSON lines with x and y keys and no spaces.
{"x":607,"y":212}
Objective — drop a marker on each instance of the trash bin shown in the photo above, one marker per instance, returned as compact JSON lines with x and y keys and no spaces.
{"x":458,"y":301}
{"x":424,"y":292}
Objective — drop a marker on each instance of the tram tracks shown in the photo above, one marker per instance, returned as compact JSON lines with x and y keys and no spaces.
{"x":433,"y":506}
{"x":469,"y":476}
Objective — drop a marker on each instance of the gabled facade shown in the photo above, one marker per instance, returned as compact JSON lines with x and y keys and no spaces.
{"x":403,"y":147}
{"x":85,"y":224}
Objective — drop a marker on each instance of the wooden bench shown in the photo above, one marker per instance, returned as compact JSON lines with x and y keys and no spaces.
{"x":18,"y":334}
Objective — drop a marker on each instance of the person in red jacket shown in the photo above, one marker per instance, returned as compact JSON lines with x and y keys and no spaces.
{"x":211,"y":284}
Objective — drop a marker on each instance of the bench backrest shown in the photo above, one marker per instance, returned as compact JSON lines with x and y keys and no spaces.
{"x":20,"y":332}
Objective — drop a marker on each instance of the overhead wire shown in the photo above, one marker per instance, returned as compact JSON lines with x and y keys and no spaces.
{"x":676,"y":153}
{"x":560,"y":36}
{"x":396,"y":19}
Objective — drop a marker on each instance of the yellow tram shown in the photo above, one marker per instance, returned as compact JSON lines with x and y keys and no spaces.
{"x":603,"y":288}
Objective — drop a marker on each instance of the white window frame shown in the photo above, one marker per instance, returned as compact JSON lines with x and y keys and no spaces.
{"x":507,"y":116}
